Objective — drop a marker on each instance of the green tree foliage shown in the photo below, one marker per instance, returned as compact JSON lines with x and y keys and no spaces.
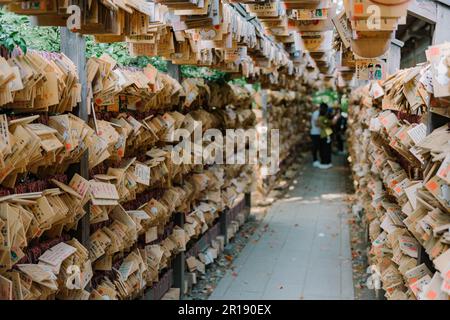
{"x":327,"y":96}
{"x":17,"y":31}
{"x":331,"y":98}
{"x":119,"y":52}
{"x":10,"y":36}
{"x":203,"y":72}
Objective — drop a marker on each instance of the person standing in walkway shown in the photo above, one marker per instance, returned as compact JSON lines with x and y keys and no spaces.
{"x":315,"y":136}
{"x":325,"y":124}
{"x":339,"y":126}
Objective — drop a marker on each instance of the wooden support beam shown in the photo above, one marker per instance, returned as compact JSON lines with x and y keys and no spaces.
{"x":179,"y":268}
{"x":73,"y":45}
{"x":179,"y":261}
{"x":394,"y":56}
{"x":446,"y":2}
{"x":425,"y":10}
{"x":441,"y":35}
{"x":223,"y":221}
{"x":441,"y":31}
{"x":174,"y":70}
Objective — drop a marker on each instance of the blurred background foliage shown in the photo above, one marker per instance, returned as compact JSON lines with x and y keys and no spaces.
{"x":332,"y":98}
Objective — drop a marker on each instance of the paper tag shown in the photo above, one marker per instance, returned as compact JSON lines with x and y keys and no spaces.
{"x":411,"y":194}
{"x":446,"y":279}
{"x":5,"y":146}
{"x":416,"y":153}
{"x":418,"y":133}
{"x":409,"y":245}
{"x":375,"y":124}
{"x":376,"y":90}
{"x":57,"y":254}
{"x":370,"y":69}
{"x":142,"y":173}
{"x":400,"y":187}
{"x":418,"y":286}
{"x":125,"y":269}
{"x":102,"y":190}
{"x":343,"y":28}
{"x":151,"y":234}
{"x":135,"y":124}
{"x":6,"y":288}
{"x":427,"y":80}
{"x":79,"y":184}
{"x":444,"y":170}
{"x":140,"y":214}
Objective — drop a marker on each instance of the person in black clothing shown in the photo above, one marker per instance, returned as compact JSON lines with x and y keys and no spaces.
{"x":339,"y":129}
{"x":315,"y":136}
{"x":325,"y":123}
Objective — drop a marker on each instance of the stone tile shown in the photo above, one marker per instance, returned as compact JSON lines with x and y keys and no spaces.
{"x":300,"y":241}
{"x":241,"y":295}
{"x":223,"y":285}
{"x":283,"y":292}
{"x":347,"y":288}
{"x":290,"y":260}
{"x":250,"y":281}
{"x":321,"y":297}
{"x":306,"y":237}
{"x":295,"y":251}
{"x":247,"y":250}
{"x":325,"y":261}
{"x":289,"y":273}
{"x":260,"y":254}
{"x":323,"y":280}
{"x":325,"y":249}
{"x":261,"y":263}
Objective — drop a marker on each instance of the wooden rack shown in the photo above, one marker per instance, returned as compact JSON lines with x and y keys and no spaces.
{"x":73,"y":45}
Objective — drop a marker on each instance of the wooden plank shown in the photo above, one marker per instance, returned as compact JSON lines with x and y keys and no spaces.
{"x":441,"y":33}
{"x":73,"y":45}
{"x":223,"y":220}
{"x":394,"y":56}
{"x":174,"y":70}
{"x":179,"y":261}
{"x":446,"y":2}
{"x":425,"y":10}
{"x":248,"y":200}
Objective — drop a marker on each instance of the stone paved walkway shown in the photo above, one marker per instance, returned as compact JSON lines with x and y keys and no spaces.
{"x":302,"y":247}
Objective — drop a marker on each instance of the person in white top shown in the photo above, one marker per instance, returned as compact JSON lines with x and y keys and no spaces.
{"x":315,"y":136}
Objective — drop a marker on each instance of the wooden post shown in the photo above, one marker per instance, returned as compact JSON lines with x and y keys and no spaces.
{"x":424,"y":10}
{"x":73,"y":45}
{"x":179,"y":262}
{"x":434,"y":121}
{"x":394,"y":56}
{"x":424,"y":258}
{"x":248,"y":204}
{"x":223,"y":220}
{"x":440,"y":35}
{"x":265,"y":115}
{"x":174,"y":70}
